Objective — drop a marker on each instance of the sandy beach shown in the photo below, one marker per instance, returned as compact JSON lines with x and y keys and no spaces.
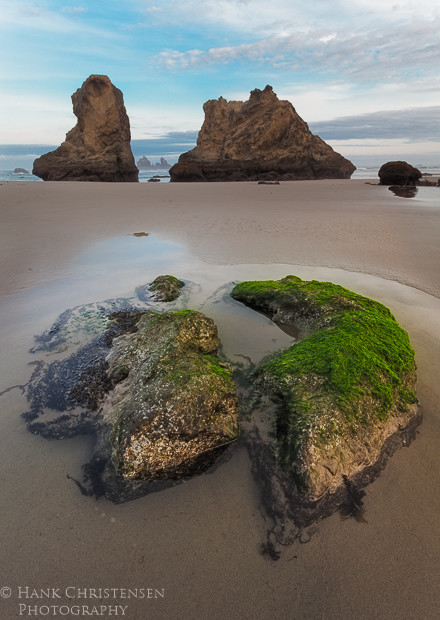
{"x":199,"y":542}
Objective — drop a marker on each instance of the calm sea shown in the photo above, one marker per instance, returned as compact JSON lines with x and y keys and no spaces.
{"x":13,"y":156}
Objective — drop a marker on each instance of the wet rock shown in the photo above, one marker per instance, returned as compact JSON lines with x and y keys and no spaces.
{"x":21,"y":171}
{"x":344,"y":393}
{"x":173,"y":408}
{"x":259,"y":139}
{"x":399,"y":173}
{"x":98,"y":147}
{"x":166,"y":288}
{"x":151,"y":388}
{"x":64,"y":394}
{"x":163,"y":288}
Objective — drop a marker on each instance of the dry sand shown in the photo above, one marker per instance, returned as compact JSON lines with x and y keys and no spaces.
{"x":200,"y":541}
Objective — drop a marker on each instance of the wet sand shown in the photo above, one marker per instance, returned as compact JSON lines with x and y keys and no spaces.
{"x":200,"y":541}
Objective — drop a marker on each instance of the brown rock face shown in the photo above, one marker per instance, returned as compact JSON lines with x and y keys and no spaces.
{"x":259,"y":139}
{"x":98,"y":147}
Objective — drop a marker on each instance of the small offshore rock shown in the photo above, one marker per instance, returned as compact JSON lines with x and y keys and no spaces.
{"x":399,"y":173}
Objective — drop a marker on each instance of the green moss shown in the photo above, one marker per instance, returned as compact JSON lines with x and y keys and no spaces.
{"x":221,"y":370}
{"x":353,"y":368}
{"x":167,"y":288}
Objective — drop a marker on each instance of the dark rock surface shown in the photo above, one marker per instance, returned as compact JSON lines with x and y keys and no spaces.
{"x":399,"y":173}
{"x":259,"y":139}
{"x":98,"y":147}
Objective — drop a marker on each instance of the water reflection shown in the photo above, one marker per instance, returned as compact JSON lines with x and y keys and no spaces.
{"x":404,"y":191}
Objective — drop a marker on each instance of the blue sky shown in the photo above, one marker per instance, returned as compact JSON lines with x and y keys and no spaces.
{"x":365,"y":74}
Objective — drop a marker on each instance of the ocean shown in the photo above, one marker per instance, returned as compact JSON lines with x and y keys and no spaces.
{"x":13,"y":156}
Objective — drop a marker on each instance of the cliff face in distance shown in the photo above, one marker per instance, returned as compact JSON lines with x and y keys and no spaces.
{"x":98,"y":147}
{"x":261,"y":138}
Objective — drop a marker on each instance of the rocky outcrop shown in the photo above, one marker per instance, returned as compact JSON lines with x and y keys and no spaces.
{"x":345,"y":391}
{"x":144,"y":163}
{"x":174,"y":405}
{"x":20,"y":171}
{"x":98,"y":147}
{"x":163,"y":288}
{"x":259,"y":139}
{"x":151,"y":388}
{"x":399,"y":173}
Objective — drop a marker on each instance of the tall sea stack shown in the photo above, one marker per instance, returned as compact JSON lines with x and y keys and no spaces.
{"x":259,"y":139}
{"x":98,"y":147}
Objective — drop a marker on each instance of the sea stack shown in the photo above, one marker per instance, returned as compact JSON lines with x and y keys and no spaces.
{"x":262,"y":138}
{"x":399,"y":173}
{"x":98,"y":147}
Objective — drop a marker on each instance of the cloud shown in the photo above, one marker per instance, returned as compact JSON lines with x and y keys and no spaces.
{"x":419,"y":124}
{"x":362,"y":54}
{"x":281,"y":17}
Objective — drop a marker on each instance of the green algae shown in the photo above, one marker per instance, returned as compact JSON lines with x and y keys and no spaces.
{"x":166,"y":288}
{"x":353,"y":370}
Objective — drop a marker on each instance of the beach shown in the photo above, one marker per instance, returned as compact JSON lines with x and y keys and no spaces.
{"x":196,"y":547}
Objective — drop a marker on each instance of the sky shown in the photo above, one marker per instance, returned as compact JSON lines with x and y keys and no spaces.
{"x":364,"y":74}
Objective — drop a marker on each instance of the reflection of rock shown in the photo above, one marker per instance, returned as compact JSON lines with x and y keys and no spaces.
{"x":151,"y":386}
{"x":404,"y":191}
{"x":398,"y":173}
{"x":98,"y":147}
{"x":163,"y":288}
{"x":20,"y":171}
{"x":345,"y":392}
{"x":145,"y":164}
{"x":262,"y":138}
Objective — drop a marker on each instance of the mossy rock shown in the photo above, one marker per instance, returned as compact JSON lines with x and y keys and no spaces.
{"x":343,"y":390}
{"x":166,"y":288}
{"x":174,"y":405}
{"x":163,"y":288}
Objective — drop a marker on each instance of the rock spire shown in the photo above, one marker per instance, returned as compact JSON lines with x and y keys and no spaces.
{"x":98,"y":147}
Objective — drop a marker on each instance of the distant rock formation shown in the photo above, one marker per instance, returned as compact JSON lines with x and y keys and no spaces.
{"x":399,"y":173}
{"x":21,"y":171}
{"x":144,"y":163}
{"x":259,"y":139}
{"x":98,"y":147}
